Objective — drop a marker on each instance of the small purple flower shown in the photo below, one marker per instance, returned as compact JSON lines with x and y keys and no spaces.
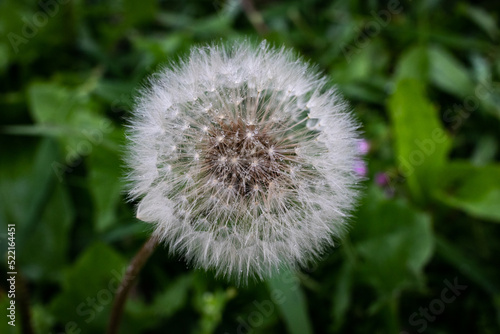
{"x":360,"y":168}
{"x":381,"y":179}
{"x":384,"y":181}
{"x":364,"y":146}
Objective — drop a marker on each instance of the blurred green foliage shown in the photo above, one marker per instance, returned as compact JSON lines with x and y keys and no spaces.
{"x":422,"y":76}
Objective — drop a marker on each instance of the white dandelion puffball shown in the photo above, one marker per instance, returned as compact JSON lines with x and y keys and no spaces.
{"x":243,"y":160}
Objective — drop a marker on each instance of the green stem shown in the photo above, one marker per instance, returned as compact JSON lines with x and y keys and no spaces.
{"x":128,"y":281}
{"x":393,"y":316}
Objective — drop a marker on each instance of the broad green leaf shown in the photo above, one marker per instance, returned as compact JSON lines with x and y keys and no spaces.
{"x":160,"y":49}
{"x":421,"y":143}
{"x":473,"y":189}
{"x":342,"y":295}
{"x":394,"y":243}
{"x":118,"y":94}
{"x":129,"y":227}
{"x":485,"y":151}
{"x":359,"y":65}
{"x":211,"y":306}
{"x":413,"y":64}
{"x":449,"y":74}
{"x":482,"y":68}
{"x":136,"y":13}
{"x":165,"y":304}
{"x":75,"y":120}
{"x":210,"y":303}
{"x":481,"y":18}
{"x":362,"y":92}
{"x":473,"y":88}
{"x":39,"y":206}
{"x":41,"y":318}
{"x":285,"y":289}
{"x":26,"y":178}
{"x":49,"y":237}
{"x":468,"y":265}
{"x":359,"y":62}
{"x":71,"y":108}
{"x":173,"y":298}
{"x":88,"y":289}
{"x":105,"y":186}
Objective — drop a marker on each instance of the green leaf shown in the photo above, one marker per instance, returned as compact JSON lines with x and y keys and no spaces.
{"x":421,"y":143}
{"x":481,"y":18}
{"x":361,"y":92}
{"x":27,"y":178}
{"x":42,"y":320}
{"x":485,"y":151}
{"x":105,"y":186}
{"x":473,"y":189}
{"x":291,"y":302}
{"x":393,"y":243}
{"x":469,"y":266}
{"x":173,"y":298}
{"x":209,"y":302}
{"x":73,"y":117}
{"x":118,"y":94}
{"x":359,"y":65}
{"x":342,"y":295}
{"x":49,"y":237}
{"x":142,"y":316}
{"x":482,"y":68}
{"x":135,"y":12}
{"x":88,"y":289}
{"x":449,"y":74}
{"x":211,"y":307}
{"x":414,"y":64}
{"x":39,"y":206}
{"x":51,"y":103}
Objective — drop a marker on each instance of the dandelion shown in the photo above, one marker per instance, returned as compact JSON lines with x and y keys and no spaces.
{"x":242,"y":159}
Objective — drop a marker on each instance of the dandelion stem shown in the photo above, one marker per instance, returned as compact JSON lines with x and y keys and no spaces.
{"x":133,"y":270}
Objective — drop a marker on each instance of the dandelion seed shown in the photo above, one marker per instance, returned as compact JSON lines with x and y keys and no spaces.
{"x":271,"y":182}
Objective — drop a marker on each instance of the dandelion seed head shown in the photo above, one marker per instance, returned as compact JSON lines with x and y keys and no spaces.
{"x":253,"y":168}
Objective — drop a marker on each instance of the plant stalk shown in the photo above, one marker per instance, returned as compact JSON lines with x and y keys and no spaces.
{"x":128,"y":281}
